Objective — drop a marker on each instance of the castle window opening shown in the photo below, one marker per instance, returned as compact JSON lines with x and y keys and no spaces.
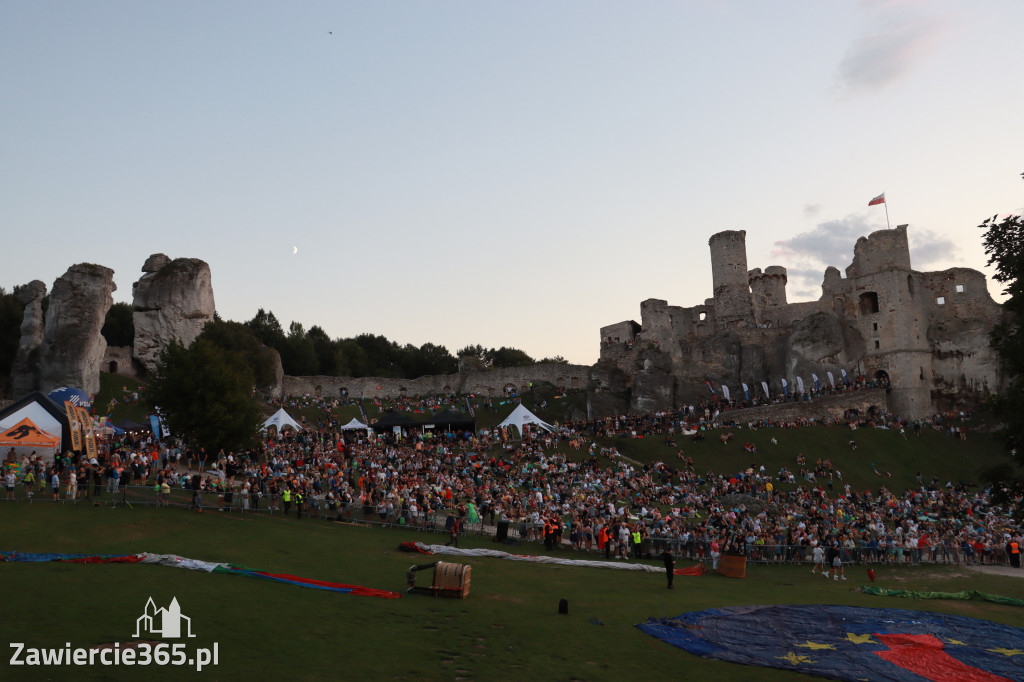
{"x":703,"y":316}
{"x":113,"y":367}
{"x":318,"y":391}
{"x":875,"y":326}
{"x":877,"y":344}
{"x":868,"y":303}
{"x":959,"y":288}
{"x":941,"y":300}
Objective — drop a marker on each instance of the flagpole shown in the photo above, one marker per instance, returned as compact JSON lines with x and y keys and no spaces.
{"x":886,"y":202}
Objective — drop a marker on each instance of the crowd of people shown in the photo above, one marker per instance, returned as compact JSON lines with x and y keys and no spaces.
{"x":592,"y":501}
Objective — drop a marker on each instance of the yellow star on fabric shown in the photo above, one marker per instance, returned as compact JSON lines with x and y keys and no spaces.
{"x":814,"y":646}
{"x":794,"y":659}
{"x":860,"y":639}
{"x":956,"y":641}
{"x":1007,"y":652}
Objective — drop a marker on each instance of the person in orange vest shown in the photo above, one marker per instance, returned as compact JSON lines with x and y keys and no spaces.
{"x":548,"y":534}
{"x":602,"y":542}
{"x":1013,"y":551}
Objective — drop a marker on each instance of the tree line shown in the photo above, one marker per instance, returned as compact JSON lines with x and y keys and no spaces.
{"x":313,"y":352}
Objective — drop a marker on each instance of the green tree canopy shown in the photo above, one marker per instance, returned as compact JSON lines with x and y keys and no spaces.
{"x":205,"y":393}
{"x":119,"y":325}
{"x":1004,"y":245}
{"x":267,"y":329}
{"x":11,"y":313}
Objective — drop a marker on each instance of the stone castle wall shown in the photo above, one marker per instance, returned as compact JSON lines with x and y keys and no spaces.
{"x":493,"y":382}
{"x":822,"y":407}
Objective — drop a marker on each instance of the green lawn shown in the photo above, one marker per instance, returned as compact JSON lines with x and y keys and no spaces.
{"x":508,"y":628}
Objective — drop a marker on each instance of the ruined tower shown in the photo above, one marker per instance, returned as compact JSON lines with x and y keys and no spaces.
{"x":767,"y":291}
{"x":729,"y":277}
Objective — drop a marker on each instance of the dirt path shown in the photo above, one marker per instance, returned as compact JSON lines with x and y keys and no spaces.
{"x":998,"y":570}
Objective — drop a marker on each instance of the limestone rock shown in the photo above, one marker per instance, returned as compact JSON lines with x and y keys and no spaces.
{"x":172,"y":300}
{"x":72,"y":349}
{"x":25,"y":371}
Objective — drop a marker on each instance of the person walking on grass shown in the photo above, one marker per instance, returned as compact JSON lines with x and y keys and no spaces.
{"x":818,"y":557}
{"x":836,"y":571}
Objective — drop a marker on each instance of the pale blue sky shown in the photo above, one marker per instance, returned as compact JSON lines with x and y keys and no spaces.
{"x":498,"y":173}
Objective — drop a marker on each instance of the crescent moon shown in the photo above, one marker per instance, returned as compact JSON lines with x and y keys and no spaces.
{"x":295,"y":250}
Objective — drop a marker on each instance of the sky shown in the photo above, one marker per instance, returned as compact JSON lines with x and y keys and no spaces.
{"x":496,"y":173}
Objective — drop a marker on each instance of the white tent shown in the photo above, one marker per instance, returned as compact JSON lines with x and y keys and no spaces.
{"x":280,"y":420}
{"x":521,"y":416}
{"x":354,"y":424}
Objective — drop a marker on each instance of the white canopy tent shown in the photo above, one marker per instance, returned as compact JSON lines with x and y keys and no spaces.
{"x":521,"y":416}
{"x":280,"y":420}
{"x":354,"y":424}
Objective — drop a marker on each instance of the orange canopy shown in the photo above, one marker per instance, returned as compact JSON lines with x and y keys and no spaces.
{"x":27,"y":434}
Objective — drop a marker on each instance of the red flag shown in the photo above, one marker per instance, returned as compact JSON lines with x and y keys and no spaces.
{"x":880,"y":199}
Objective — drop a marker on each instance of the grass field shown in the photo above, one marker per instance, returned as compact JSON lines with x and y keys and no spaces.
{"x":508,"y":628}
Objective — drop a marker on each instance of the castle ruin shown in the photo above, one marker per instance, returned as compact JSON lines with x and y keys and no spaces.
{"x":924,"y":334}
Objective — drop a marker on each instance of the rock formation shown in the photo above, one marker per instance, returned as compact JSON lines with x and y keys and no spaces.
{"x":172,"y":300}
{"x":72,"y":348}
{"x":25,"y":371}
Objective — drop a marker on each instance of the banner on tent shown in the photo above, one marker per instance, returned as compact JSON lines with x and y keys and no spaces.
{"x":88,"y":432}
{"x":73,"y":425}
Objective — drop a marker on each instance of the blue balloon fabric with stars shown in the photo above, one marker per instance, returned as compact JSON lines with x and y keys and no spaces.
{"x":850,"y":643}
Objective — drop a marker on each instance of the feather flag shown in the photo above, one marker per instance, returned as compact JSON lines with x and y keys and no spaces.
{"x":846,"y":380}
{"x":817,"y":384}
{"x":746,"y":392}
{"x":800,"y":385}
{"x":767,"y":393}
{"x":831,"y":380}
{"x":725,"y":392}
{"x":785,"y":387}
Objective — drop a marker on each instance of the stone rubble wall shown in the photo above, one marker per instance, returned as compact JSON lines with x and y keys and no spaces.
{"x":490,"y":383}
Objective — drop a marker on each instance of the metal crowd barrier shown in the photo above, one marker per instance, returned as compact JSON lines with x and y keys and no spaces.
{"x":514,"y":531}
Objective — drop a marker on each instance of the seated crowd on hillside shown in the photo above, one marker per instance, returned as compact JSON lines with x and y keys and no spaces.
{"x":594,"y":502}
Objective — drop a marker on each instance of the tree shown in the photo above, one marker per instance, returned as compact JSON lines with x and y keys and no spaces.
{"x":509,"y":357}
{"x":119,"y":325}
{"x":11,"y":313}
{"x":436,"y":360}
{"x":557,"y":360}
{"x":1004,"y":246}
{"x":324,"y":349}
{"x":298,"y":355}
{"x":205,"y":393}
{"x":477,"y":355}
{"x":384,"y":357}
{"x":267,"y":329}
{"x":237,"y":338}
{"x":350,"y":359}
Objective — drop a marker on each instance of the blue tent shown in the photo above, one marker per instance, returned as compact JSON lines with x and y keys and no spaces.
{"x":75,"y":396}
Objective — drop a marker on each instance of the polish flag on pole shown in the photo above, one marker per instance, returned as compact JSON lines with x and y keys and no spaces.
{"x":880,"y":199}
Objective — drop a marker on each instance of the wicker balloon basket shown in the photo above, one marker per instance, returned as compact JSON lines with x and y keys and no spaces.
{"x":451,"y":580}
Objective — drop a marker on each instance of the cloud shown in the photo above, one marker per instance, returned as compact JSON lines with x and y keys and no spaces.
{"x":811,"y":210}
{"x":888,"y":53}
{"x":806,"y":255}
{"x":830,"y":243}
{"x":928,"y":248}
